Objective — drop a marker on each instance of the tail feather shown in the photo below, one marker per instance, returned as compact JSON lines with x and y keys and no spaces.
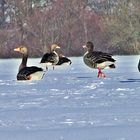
{"x":112,"y":66}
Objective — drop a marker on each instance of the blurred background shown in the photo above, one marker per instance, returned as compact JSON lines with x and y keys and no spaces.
{"x":112,"y":25}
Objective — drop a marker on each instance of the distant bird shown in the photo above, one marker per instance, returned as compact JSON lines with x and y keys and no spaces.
{"x":139,"y":66}
{"x":28,"y":73}
{"x":52,"y":58}
{"x":97,"y":59}
{"x":63,"y":60}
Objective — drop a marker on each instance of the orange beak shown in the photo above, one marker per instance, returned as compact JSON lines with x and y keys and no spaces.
{"x":17,"y":49}
{"x":57,"y":47}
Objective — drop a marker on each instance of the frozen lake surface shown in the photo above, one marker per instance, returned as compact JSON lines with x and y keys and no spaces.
{"x":71,"y":103}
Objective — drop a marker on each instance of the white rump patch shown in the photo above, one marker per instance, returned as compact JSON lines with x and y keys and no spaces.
{"x":37,"y":75}
{"x":105,"y":64}
{"x":48,"y":64}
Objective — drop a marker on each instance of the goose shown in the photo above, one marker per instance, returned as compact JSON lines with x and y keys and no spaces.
{"x":97,"y":59}
{"x":139,"y":66}
{"x":28,"y":73}
{"x":63,"y":60}
{"x":52,"y":58}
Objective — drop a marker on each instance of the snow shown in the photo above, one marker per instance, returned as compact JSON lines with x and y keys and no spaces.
{"x":71,"y":103}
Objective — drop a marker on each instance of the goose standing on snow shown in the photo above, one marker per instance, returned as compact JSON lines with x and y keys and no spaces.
{"x":97,"y":60}
{"x":28,"y":73}
{"x":63,"y":60}
{"x":139,"y":66}
{"x":52,"y":58}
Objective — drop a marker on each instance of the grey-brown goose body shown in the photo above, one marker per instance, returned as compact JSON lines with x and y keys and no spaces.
{"x":27,"y":73}
{"x":99,"y":59}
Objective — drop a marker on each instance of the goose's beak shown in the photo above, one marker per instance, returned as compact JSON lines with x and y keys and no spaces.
{"x":17,"y":49}
{"x":58,"y":47}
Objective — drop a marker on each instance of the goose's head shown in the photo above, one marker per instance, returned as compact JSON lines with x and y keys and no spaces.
{"x":21,"y":49}
{"x":89,"y":46}
{"x":54,"y":47}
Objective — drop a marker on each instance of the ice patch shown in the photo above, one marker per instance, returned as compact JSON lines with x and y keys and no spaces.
{"x":69,"y":123}
{"x":66,"y":97}
{"x":54,"y":90}
{"x":121,"y":89}
{"x":124,"y":89}
{"x":95,"y":85}
{"x":92,"y":86}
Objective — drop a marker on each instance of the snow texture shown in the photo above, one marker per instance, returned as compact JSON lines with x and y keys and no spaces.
{"x":71,"y":103}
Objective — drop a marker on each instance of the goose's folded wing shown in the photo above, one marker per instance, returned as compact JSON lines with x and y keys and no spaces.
{"x":99,"y":56}
{"x":48,"y":57}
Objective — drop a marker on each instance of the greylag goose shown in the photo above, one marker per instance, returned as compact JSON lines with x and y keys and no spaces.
{"x":52,"y":58}
{"x":63,"y":60}
{"x":28,"y":73}
{"x":139,"y":66}
{"x":97,"y":59}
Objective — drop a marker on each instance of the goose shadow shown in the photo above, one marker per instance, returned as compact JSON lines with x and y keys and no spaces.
{"x":131,"y":80}
{"x":84,"y":77}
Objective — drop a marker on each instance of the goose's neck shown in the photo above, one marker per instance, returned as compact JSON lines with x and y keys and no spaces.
{"x":52,"y":50}
{"x":90,"y":50}
{"x":23,"y":62}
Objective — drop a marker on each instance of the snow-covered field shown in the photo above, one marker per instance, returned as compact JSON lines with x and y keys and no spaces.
{"x":71,"y":103}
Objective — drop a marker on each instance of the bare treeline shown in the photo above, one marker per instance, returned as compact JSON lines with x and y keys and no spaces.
{"x":113,"y":25}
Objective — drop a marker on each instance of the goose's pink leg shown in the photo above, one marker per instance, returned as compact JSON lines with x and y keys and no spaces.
{"x":100,"y":73}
